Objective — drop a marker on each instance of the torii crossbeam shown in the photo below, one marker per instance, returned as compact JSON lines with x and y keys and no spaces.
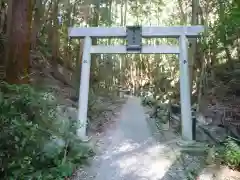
{"x":134,"y":35}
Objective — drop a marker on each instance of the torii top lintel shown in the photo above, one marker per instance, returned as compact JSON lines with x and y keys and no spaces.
{"x":150,"y":32}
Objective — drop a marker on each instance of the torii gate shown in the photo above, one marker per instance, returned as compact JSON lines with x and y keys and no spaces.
{"x":134,"y":35}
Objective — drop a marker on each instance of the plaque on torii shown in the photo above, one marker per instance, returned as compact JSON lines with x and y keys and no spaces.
{"x":134,"y":38}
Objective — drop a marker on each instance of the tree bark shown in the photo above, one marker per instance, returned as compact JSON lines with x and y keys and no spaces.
{"x":18,"y":59}
{"x":193,"y":43}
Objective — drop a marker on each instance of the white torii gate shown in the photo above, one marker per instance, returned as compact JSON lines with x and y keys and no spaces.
{"x":179,"y":32}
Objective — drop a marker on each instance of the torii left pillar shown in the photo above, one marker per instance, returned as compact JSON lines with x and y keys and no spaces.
{"x":84,"y":87}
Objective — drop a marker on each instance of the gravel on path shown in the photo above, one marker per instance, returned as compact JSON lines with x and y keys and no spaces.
{"x":128,"y":150}
{"x":131,"y":153}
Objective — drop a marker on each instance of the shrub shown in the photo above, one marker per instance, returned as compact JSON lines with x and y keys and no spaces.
{"x":148,"y":101}
{"x":160,"y":113}
{"x":33,"y":144}
{"x":232,"y":154}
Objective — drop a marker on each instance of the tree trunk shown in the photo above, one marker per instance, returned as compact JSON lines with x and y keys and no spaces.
{"x":8,"y":31}
{"x":67,"y":61}
{"x":78,"y":68}
{"x":193,"y":43}
{"x":18,"y":59}
{"x":36,"y":23}
{"x":183,"y":19}
{"x":222,"y":12}
{"x":94,"y":22}
{"x":55,"y":36}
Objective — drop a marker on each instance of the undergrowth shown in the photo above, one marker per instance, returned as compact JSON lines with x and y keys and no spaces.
{"x":231,"y":154}
{"x":148,"y":101}
{"x":34,"y":143}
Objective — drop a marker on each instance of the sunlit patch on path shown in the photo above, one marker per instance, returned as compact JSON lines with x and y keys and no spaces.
{"x":133,"y":153}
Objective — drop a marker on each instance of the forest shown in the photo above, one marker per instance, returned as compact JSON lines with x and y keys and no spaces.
{"x":40,"y":73}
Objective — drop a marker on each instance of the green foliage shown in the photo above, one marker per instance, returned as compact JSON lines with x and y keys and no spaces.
{"x":33,"y":144}
{"x":148,"y":101}
{"x":161,"y":113}
{"x":232,"y":154}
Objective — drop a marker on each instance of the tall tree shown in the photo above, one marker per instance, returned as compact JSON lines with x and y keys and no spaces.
{"x":193,"y":42}
{"x":19,"y":41}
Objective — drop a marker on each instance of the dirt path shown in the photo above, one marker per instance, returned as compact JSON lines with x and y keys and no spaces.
{"x":129,"y":151}
{"x":133,"y":153}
